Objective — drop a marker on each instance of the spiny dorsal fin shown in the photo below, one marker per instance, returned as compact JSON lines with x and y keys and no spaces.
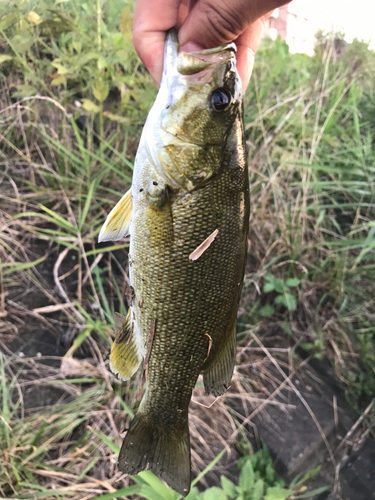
{"x":125,"y":358}
{"x":117,"y":224}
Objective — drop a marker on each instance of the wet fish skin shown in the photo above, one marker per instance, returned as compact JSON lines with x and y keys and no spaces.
{"x":190,"y":181}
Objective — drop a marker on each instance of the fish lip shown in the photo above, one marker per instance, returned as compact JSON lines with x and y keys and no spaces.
{"x":226,"y":47}
{"x":177,"y":62}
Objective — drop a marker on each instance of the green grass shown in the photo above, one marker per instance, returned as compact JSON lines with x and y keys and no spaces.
{"x":74,"y":97}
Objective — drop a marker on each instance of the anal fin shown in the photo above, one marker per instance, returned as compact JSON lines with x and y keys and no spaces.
{"x":218,"y":374}
{"x":117,"y":224}
{"x":125,"y":358}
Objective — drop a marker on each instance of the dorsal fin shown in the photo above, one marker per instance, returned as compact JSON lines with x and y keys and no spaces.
{"x":218,"y":374}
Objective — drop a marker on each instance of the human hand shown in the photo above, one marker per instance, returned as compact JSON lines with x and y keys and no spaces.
{"x":205,"y":24}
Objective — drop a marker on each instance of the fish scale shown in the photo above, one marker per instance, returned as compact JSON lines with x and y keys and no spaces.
{"x":188,"y":243}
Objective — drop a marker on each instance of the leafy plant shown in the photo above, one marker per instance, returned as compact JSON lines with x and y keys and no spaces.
{"x":284,"y":295}
{"x":257,"y":481}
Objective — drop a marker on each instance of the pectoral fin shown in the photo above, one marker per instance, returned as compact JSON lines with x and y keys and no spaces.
{"x":218,"y":374}
{"x":118,"y":221}
{"x":125,"y":357}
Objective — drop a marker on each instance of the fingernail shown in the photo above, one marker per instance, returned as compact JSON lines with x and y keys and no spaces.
{"x":191,"y":47}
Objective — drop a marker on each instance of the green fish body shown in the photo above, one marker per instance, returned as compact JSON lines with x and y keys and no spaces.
{"x":187,"y":214}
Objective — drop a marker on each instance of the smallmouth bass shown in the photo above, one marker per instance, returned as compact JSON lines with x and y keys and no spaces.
{"x":187,"y":214}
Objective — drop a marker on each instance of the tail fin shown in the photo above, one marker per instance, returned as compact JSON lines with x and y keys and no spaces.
{"x":149,"y":446}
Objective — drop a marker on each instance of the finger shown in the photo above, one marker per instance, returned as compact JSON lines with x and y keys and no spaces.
{"x":182,"y":13}
{"x":152,"y":18}
{"x":213,"y":22}
{"x":247,"y":45}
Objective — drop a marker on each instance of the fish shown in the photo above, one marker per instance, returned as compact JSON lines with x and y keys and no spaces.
{"x":187,"y":214}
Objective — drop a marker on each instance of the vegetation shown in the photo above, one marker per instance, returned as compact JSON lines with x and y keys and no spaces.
{"x":73,"y":99}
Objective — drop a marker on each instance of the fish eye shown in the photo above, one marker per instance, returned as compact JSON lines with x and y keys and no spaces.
{"x":220,"y":99}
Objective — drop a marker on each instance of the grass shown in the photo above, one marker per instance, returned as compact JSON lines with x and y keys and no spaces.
{"x":73,"y":100}
{"x":317,"y":174}
{"x":65,"y":451}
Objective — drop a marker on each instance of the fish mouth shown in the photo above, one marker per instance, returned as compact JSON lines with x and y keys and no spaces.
{"x":193,"y":63}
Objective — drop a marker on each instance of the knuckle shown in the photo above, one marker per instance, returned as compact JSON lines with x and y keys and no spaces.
{"x":223,"y":25}
{"x":136,"y":37}
{"x":138,"y":42}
